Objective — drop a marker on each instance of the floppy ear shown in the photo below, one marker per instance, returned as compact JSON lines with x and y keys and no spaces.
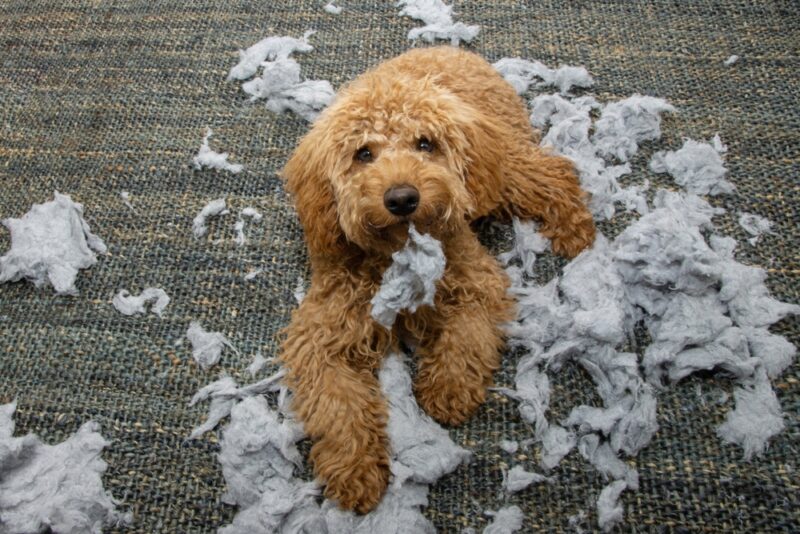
{"x":307,"y":180}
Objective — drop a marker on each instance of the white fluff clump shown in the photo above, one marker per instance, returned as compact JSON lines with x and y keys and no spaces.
{"x":697,"y":167}
{"x":56,"y":488}
{"x":438,"y":19}
{"x":250,"y":213}
{"x":126,"y":199}
{"x":410,"y":281}
{"x":755,"y":225}
{"x":623,"y":125}
{"x":128,"y":304}
{"x":609,"y":511}
{"x":517,"y":479}
{"x":206,"y":346}
{"x":506,"y":520}
{"x":268,"y":49}
{"x":208,"y":158}
{"x":521,"y":74}
{"x":50,"y":244}
{"x":332,"y":8}
{"x":280,"y":83}
{"x":259,"y":458}
{"x":215,"y":207}
{"x":731,"y":60}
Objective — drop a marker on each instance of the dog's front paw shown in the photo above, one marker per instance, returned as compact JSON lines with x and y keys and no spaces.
{"x":355,"y":478}
{"x":449,"y":400}
{"x":570,"y":240}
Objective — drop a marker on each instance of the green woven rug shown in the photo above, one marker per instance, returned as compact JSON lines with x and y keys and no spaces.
{"x":102,"y":97}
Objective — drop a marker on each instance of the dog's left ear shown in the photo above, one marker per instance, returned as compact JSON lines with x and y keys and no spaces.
{"x":307,"y":177}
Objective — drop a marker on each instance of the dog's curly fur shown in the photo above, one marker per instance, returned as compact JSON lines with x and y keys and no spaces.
{"x":484,"y":161}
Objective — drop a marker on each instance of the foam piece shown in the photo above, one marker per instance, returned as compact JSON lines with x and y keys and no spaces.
{"x":128,"y":304}
{"x":268,"y":49}
{"x":697,"y":167}
{"x":206,"y":346}
{"x":214,"y":160}
{"x":506,"y":520}
{"x":438,"y":19}
{"x":517,"y":479}
{"x":54,"y":488}
{"x":521,"y":74}
{"x":49,"y":245}
{"x":410,"y":281}
{"x":755,"y":225}
{"x":213,"y":208}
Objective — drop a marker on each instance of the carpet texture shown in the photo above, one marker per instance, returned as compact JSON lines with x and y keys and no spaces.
{"x":102,"y":97}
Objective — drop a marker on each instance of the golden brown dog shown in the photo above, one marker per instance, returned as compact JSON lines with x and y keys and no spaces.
{"x":435,"y":137}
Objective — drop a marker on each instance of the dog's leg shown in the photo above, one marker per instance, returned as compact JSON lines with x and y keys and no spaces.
{"x":331,"y":352}
{"x":461,"y":337}
{"x":545,"y":186}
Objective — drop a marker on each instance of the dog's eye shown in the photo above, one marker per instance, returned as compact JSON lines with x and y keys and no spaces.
{"x":425,"y":144}
{"x":364,"y":155}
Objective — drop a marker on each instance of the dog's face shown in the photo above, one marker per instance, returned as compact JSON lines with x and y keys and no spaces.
{"x":381,"y":156}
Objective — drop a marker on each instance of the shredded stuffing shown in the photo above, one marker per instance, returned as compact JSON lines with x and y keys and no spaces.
{"x":126,"y":199}
{"x":50,"y":244}
{"x":410,"y":281}
{"x":509,"y":446}
{"x":258,"y":363}
{"x":259,"y":456}
{"x":755,"y":225}
{"x":214,"y":160}
{"x":506,"y":520}
{"x":250,"y":213}
{"x":521,"y":73}
{"x":213,"y":208}
{"x":667,"y":272}
{"x":280,"y":83}
{"x":697,"y":167}
{"x":268,"y":49}
{"x":517,"y":479}
{"x":251,"y":275}
{"x":206,"y":346}
{"x":128,"y":304}
{"x":299,"y":290}
{"x":731,"y":60}
{"x":332,"y":8}
{"x":56,"y":488}
{"x":438,"y":19}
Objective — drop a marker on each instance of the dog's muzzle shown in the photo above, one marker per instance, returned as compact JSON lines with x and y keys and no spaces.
{"x":401,"y":200}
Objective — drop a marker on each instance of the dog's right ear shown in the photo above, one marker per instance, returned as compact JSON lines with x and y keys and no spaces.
{"x":307,"y":178}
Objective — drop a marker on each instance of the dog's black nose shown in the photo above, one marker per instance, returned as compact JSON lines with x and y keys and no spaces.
{"x":401,"y":199}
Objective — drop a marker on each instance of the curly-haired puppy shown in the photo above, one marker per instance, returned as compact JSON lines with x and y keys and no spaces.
{"x":435,"y":137}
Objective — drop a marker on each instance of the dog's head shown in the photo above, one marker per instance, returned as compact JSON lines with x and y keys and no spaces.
{"x":384,"y":154}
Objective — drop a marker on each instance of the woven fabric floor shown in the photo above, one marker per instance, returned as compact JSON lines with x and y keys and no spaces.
{"x":101,"y":97}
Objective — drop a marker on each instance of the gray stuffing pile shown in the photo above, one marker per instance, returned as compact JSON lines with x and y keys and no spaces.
{"x":280,"y":82}
{"x":259,"y":456}
{"x":438,"y":19}
{"x":50,"y":244}
{"x":213,"y":208}
{"x":669,"y":272}
{"x":54,"y":488}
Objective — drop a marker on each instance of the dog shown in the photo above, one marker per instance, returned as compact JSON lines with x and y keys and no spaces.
{"x":437,"y":138}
